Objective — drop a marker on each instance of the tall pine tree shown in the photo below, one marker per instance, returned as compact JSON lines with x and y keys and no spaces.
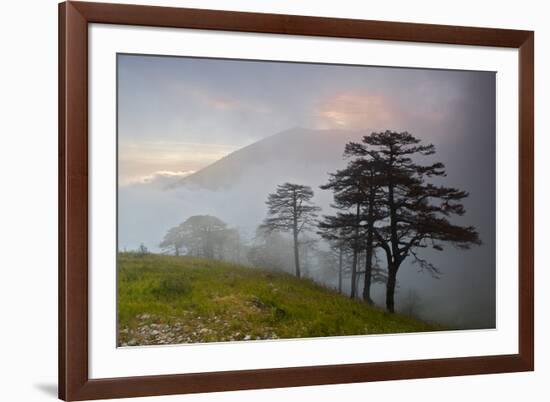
{"x":418,"y":212}
{"x":290,"y":210}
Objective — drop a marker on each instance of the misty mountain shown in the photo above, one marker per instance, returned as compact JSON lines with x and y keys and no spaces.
{"x":302,"y":155}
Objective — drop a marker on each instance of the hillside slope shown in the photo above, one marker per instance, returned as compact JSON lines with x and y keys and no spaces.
{"x":299,"y":153}
{"x":165,"y":300}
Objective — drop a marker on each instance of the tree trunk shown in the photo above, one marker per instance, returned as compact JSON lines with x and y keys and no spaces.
{"x":353,"y":274}
{"x":305,"y":266}
{"x":177,"y":251}
{"x":394,"y":240}
{"x":355,"y":252}
{"x":368,"y":277}
{"x":390,"y":288}
{"x":296,"y":252}
{"x":340,"y":257}
{"x":295,"y":233}
{"x":368,"y":259}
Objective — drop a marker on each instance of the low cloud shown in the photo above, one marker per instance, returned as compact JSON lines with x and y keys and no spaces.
{"x":161,"y":177}
{"x":151,"y":161}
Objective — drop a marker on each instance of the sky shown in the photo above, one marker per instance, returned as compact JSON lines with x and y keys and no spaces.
{"x":178,"y":114}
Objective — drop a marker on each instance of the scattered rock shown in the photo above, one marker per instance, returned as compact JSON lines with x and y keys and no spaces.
{"x":257,"y":302}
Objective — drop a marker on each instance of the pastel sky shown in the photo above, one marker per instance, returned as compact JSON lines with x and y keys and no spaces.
{"x":178,"y":114}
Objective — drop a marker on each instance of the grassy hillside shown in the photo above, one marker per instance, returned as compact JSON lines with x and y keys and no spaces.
{"x":165,"y":299}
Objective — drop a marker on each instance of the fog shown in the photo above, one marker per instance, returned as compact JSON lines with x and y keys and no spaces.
{"x":234,"y":185}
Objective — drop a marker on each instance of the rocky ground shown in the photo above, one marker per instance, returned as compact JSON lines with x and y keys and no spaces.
{"x":190,"y":328}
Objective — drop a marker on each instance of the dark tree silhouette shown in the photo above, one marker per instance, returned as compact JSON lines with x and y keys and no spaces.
{"x":356,"y":192}
{"x":418,"y":212}
{"x":370,"y":186}
{"x":338,"y":246}
{"x":344,"y":228}
{"x":290,"y":210}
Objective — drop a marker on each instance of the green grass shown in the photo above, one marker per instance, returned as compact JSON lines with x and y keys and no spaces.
{"x":166,"y":299}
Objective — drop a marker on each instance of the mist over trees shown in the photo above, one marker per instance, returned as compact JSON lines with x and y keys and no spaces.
{"x":290,"y":210}
{"x":271,"y":250}
{"x":389,"y":203}
{"x":203,"y":236}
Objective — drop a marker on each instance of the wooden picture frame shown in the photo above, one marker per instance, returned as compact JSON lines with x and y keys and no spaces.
{"x":74,"y":381}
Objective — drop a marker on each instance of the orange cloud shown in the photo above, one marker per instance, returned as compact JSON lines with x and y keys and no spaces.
{"x":355,"y":110}
{"x":221,"y":103}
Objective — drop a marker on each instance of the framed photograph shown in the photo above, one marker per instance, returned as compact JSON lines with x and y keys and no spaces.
{"x":260,"y":200}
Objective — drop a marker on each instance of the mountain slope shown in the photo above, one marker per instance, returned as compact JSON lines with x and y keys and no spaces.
{"x":165,"y":299}
{"x":297,"y":153}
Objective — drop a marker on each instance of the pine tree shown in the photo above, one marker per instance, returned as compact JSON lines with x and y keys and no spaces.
{"x":290,"y":210}
{"x":355,"y":195}
{"x":418,"y":212}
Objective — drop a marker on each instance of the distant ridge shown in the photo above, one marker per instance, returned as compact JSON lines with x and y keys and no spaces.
{"x":293,"y":152}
